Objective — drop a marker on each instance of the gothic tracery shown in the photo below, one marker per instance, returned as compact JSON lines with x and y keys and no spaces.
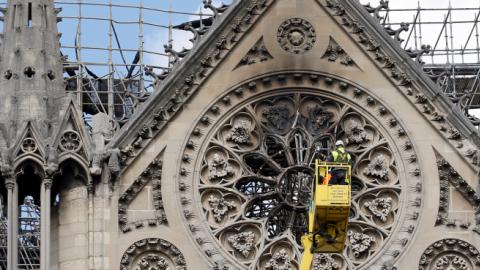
{"x":264,"y":180}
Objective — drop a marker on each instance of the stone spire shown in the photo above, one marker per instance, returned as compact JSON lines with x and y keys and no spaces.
{"x":31,"y":72}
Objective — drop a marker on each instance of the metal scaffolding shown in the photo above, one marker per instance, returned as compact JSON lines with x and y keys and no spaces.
{"x":130,"y":65}
{"x":446,"y":41}
{"x":115,"y":69}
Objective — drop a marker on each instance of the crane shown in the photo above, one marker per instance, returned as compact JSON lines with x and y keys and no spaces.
{"x":328,"y":213}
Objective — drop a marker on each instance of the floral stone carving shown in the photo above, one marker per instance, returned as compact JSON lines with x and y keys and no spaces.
{"x":243,"y":242}
{"x":153,"y":254}
{"x":447,"y":262}
{"x":219,"y":168}
{"x":359,"y":242}
{"x":356,"y":134}
{"x":377,"y":167}
{"x":450,"y":254}
{"x":258,"y":53}
{"x":324,"y":262}
{"x":380,"y":207}
{"x":336,"y":52}
{"x":240,"y":133}
{"x":152,"y":262}
{"x":220,"y":207}
{"x":280,"y":261}
{"x":296,"y":35}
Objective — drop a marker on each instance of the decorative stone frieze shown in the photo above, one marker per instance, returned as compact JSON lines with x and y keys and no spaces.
{"x":153,"y":254}
{"x":335,"y":52}
{"x":450,"y":177}
{"x":450,"y":254}
{"x":296,"y":35}
{"x":152,"y":175}
{"x":257,"y":54}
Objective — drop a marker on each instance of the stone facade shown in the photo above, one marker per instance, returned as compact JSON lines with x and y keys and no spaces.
{"x":200,"y":177}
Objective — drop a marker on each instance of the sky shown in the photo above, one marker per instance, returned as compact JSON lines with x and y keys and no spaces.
{"x":95,"y":33}
{"x":94,"y":30}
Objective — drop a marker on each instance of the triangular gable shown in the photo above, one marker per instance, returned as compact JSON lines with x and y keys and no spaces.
{"x":70,"y":136}
{"x":231,"y":27}
{"x":29,"y":142}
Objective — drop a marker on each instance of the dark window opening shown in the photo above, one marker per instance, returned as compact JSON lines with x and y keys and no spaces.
{"x":14,"y":13}
{"x":29,"y":20}
{"x":29,"y":185}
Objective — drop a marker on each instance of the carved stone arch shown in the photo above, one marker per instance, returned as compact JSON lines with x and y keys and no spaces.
{"x":21,"y":164}
{"x":251,"y":122}
{"x":450,"y":253}
{"x":76,"y":160}
{"x":74,"y":166}
{"x":29,"y":176}
{"x":153,"y":253}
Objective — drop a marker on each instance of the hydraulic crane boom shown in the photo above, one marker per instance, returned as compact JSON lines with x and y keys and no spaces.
{"x":328,"y":213}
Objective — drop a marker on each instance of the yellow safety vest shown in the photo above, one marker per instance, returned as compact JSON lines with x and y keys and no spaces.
{"x":340,"y":155}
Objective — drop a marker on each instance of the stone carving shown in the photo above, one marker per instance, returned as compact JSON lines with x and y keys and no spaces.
{"x":451,"y":262}
{"x":257,"y":54}
{"x":324,"y":262}
{"x":279,"y":261}
{"x":336,"y":52}
{"x":277,"y":116}
{"x":417,"y":54}
{"x":359,"y":242}
{"x":355,"y":132}
{"x":240,"y":133}
{"x":152,"y":262}
{"x":219,"y":168}
{"x":70,"y":141}
{"x":449,"y":176}
{"x":268,"y":173}
{"x":153,"y":254}
{"x":220,"y":207}
{"x":151,"y":175}
{"x":377,"y":167}
{"x":319,"y":117}
{"x":380,"y":207}
{"x":382,"y":5}
{"x":395,"y":33}
{"x":296,"y":35}
{"x":450,"y":254}
{"x":243,"y":242}
{"x":28,"y":145}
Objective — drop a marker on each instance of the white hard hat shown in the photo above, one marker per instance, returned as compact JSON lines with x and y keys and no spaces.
{"x":339,"y":142}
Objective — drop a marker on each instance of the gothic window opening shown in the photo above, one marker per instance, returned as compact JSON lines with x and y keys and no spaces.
{"x":29,"y":19}
{"x":29,"y":185}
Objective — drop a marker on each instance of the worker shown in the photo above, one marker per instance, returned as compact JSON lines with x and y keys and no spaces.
{"x":339,"y":155}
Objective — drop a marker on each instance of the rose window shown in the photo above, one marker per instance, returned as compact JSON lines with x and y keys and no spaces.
{"x":256,"y":171}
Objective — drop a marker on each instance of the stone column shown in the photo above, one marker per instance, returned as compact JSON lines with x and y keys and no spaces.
{"x":45,"y":224}
{"x":12,"y":236}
